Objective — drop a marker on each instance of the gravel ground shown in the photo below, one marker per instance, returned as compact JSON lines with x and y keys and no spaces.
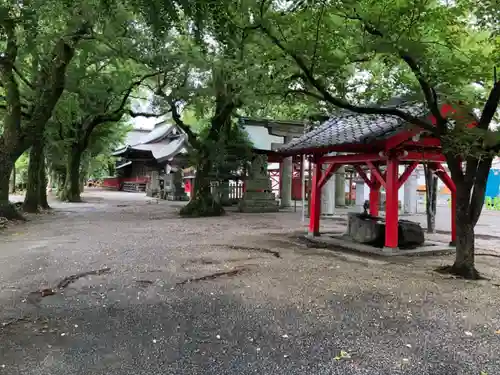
{"x":158,"y":303}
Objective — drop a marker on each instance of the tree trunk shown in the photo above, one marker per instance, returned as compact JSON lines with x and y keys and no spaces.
{"x":464,"y":259}
{"x":60,"y":178}
{"x":464,"y":256}
{"x":13,"y":180}
{"x":431,"y":183}
{"x":71,"y":190}
{"x":32,"y":197}
{"x":43,"y":202}
{"x":202,"y":202}
{"x":111,"y":169}
{"x":7,"y":210}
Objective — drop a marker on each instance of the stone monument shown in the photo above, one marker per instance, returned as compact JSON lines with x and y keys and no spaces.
{"x":174,"y":187}
{"x":258,"y":195}
{"x":153,"y":186}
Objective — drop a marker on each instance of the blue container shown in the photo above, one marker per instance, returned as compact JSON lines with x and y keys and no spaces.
{"x":493,"y":184}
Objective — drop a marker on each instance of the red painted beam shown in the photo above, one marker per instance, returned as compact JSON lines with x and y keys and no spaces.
{"x":408,"y":171}
{"x":423,"y":156}
{"x":376,"y":172}
{"x":365,"y":148}
{"x":425,"y":142}
{"x":399,"y":138}
{"x":444,"y":176}
{"x":351,"y":159}
{"x":363,"y":175}
{"x":332,"y":168}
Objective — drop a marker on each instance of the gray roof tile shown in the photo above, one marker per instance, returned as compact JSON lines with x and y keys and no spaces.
{"x":349,"y":128}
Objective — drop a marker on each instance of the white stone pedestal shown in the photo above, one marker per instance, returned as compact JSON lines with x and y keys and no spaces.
{"x":410,"y":194}
{"x":328,"y":196}
{"x":360,"y":195}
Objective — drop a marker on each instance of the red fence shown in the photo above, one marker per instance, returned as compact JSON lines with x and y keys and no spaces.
{"x":116,"y":183}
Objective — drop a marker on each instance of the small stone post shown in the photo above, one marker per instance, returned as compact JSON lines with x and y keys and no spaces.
{"x":286,"y":179}
{"x":410,"y":194}
{"x":360,"y":195}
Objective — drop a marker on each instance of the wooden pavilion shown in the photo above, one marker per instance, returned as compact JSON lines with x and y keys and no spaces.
{"x":378,"y":144}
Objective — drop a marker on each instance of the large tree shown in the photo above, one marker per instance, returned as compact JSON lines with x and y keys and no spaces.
{"x":352,"y":54}
{"x":39,"y":41}
{"x":100,"y":84}
{"x":217,"y":76}
{"x":33,"y":66}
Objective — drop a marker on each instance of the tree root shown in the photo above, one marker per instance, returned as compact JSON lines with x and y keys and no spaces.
{"x":10,"y":212}
{"x":487,"y":255}
{"x":71,"y":279}
{"x":462,"y":271}
{"x":202,"y":207}
{"x":213,"y":276}
{"x":258,"y":249}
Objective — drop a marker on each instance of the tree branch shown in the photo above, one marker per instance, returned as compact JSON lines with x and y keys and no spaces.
{"x":146,"y":114}
{"x":193,"y":138}
{"x":320,"y":17}
{"x":131,"y":88}
{"x":477,"y":198}
{"x":305,"y":92}
{"x":490,"y":107}
{"x":342,"y":103}
{"x":23,"y":78}
{"x":427,"y":89}
{"x":51,"y":83}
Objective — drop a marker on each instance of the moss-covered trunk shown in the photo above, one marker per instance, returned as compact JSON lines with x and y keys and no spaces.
{"x":431,"y":184}
{"x":202,"y":202}
{"x":7,"y":210}
{"x":464,"y":259}
{"x":12,"y":188}
{"x":36,"y":163}
{"x":42,"y":200}
{"x":71,"y":190}
{"x":470,"y":192}
{"x":464,"y":264}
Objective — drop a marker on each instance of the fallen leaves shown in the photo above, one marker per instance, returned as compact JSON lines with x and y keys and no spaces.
{"x":342,"y":355}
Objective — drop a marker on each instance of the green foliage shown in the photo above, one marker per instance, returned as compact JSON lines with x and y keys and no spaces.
{"x":229,"y":153}
{"x":22,"y":168}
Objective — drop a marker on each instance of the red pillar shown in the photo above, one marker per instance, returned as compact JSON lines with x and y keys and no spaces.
{"x":453,"y":218}
{"x":374,"y":196}
{"x":315,"y":201}
{"x":391,"y":204}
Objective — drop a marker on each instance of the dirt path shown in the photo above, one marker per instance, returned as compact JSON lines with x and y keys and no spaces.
{"x":145,"y":292}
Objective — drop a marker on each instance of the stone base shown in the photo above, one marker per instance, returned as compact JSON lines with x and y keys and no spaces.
{"x":366,"y":229}
{"x":370,"y":230}
{"x":410,"y":234}
{"x":342,"y":242}
{"x":179,"y":197}
{"x":152,"y":192}
{"x":258,"y":205}
{"x":390,"y":250}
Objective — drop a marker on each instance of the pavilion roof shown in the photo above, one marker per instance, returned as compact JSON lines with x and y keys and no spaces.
{"x":349,"y":128}
{"x":162,"y":143}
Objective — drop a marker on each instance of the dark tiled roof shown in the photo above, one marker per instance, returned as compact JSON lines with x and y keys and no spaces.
{"x":349,"y":128}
